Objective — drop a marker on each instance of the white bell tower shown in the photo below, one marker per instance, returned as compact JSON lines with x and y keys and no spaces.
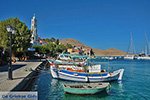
{"x":34,"y":37}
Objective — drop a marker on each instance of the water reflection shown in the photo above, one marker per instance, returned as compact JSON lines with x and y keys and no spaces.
{"x":120,"y":88}
{"x":54,"y":82}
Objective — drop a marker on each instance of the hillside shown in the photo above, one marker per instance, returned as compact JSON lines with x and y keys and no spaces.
{"x":107,"y":52}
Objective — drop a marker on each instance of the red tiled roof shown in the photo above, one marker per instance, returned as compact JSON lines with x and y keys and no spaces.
{"x":43,"y":41}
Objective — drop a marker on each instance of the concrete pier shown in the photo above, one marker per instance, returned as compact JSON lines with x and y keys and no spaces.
{"x":20,"y":77}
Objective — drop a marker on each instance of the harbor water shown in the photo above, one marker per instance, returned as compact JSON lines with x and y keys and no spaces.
{"x":134,"y":86}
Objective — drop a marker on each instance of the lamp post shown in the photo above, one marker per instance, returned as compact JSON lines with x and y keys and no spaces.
{"x":11,"y":31}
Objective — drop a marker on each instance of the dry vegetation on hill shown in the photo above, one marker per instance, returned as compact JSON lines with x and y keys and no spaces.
{"x":108,"y":52}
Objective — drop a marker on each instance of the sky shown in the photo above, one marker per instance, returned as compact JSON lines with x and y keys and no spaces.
{"x":100,"y":24}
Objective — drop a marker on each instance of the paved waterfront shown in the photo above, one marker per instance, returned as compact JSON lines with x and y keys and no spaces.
{"x":18,"y":73}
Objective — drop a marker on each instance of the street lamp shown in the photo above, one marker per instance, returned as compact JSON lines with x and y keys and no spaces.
{"x":11,"y":31}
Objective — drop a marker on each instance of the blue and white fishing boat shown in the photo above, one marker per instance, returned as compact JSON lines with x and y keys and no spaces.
{"x":92,"y":74}
{"x":51,"y":62}
{"x":85,"y":88}
{"x":64,"y":56}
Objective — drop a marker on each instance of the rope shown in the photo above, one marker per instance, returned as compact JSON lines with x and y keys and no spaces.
{"x":109,"y":89}
{"x":38,"y":75}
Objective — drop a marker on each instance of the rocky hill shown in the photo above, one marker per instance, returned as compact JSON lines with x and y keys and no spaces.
{"x":107,"y":52}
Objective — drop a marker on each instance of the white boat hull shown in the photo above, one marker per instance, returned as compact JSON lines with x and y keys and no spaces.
{"x":129,"y":57}
{"x":83,"y":77}
{"x":144,"y":58}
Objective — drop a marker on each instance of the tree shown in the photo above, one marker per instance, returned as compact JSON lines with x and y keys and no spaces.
{"x":69,"y":46}
{"x":57,"y":41}
{"x":52,"y":39}
{"x":51,"y":47}
{"x":41,"y":49}
{"x":21,"y":38}
{"x":60,"y":48}
{"x":48,"y":40}
{"x":91,"y":52}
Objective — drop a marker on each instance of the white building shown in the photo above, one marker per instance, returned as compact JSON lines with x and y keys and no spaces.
{"x":34,"y":37}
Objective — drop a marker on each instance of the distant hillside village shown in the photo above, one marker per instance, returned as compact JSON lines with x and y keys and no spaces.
{"x":71,"y":49}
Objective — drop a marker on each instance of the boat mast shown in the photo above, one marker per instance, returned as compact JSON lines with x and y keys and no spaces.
{"x":146,"y":45}
{"x":131,"y":46}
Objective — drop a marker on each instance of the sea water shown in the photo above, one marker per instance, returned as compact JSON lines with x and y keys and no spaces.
{"x":135,"y":84}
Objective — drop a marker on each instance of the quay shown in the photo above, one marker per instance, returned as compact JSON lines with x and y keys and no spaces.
{"x":21,"y":78}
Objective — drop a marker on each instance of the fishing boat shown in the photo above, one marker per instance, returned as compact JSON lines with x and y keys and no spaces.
{"x":85,"y":88}
{"x":69,"y":62}
{"x":51,"y":62}
{"x":80,"y":57}
{"x":64,"y":56}
{"x":85,"y":74}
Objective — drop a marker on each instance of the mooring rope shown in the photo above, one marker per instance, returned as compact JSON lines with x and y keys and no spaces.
{"x":37,"y":71}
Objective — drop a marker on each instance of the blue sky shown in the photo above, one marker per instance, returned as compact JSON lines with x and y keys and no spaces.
{"x":100,"y":24}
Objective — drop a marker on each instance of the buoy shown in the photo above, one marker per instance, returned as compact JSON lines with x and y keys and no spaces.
{"x":14,"y":60}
